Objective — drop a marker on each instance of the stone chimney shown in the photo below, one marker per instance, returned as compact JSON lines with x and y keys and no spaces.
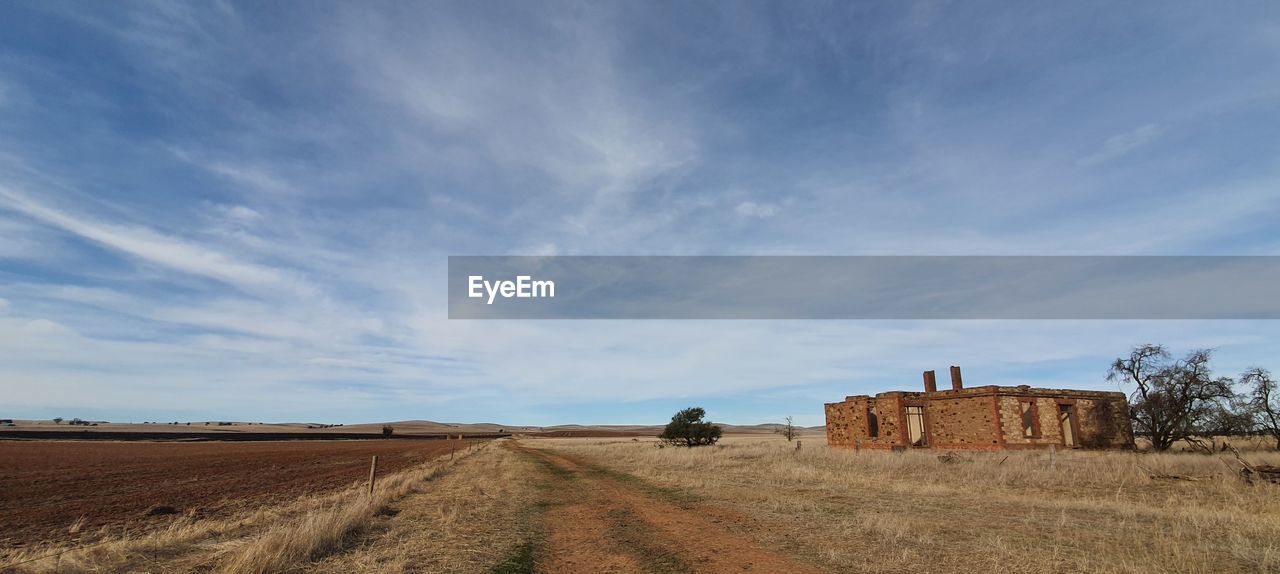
{"x":956,"y":383}
{"x":930,"y":382}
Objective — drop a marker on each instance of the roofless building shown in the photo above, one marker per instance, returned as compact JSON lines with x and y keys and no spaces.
{"x":980,"y":418}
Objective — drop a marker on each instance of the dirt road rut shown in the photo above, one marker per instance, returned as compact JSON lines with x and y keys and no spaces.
{"x":598,"y":520}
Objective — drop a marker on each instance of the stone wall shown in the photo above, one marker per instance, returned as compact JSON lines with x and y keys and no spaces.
{"x":838,"y":427}
{"x":889,"y":412}
{"x":1105,"y":423}
{"x":1011,"y":421}
{"x":964,"y":422}
{"x":987,"y":417}
{"x":848,"y":423}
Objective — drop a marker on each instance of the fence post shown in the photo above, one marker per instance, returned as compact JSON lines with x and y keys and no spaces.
{"x":373,"y":470}
{"x":1053,"y":457}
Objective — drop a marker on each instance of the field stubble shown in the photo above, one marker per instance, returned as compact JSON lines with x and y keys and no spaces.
{"x":105,"y":488}
{"x":272,"y":538}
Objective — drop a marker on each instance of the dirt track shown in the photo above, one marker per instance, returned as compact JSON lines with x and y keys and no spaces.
{"x":47,"y":486}
{"x":601,"y":521}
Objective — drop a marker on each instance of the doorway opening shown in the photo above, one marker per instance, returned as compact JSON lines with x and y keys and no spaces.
{"x":915,"y":427}
{"x":1067,"y":422}
{"x":1030,"y":419}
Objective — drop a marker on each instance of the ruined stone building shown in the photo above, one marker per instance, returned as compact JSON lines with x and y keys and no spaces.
{"x":988,"y":418}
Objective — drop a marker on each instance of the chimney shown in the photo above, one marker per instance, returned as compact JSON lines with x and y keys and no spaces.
{"x":930,"y":382}
{"x":956,"y":383}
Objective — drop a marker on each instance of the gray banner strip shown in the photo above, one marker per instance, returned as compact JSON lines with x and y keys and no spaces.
{"x":864,"y":287}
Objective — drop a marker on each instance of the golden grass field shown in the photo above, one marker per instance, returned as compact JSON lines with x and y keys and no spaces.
{"x":883,"y":512}
{"x":623,"y":505}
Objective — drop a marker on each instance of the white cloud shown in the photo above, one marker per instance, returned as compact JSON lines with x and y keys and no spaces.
{"x":168,"y":251}
{"x":251,"y":177}
{"x":541,"y":249}
{"x":556,"y":136}
{"x":45,"y":327}
{"x":1121,"y":144}
{"x":241,"y":213}
{"x":751,"y":209}
{"x":561,"y":109}
{"x":248,"y":177}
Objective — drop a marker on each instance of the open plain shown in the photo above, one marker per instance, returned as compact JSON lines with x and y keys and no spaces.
{"x":750,"y":504}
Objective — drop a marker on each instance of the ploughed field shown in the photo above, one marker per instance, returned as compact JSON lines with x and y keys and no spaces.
{"x":49,"y":486}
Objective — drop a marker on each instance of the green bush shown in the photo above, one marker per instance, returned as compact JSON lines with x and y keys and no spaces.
{"x":688,"y":429}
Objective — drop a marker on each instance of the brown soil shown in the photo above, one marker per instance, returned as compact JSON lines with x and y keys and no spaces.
{"x":50,"y":485}
{"x":601,"y":521}
{"x":589,"y":433}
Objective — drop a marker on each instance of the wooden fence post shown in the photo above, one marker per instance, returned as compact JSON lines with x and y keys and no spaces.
{"x":373,"y":470}
{"x":1053,"y":457}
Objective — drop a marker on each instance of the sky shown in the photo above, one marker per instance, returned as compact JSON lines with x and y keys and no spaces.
{"x":244,"y":211}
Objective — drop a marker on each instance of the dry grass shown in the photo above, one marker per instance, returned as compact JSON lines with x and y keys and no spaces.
{"x":877,"y":511}
{"x":482,"y":513}
{"x":1261,"y":444}
{"x":325,"y":530}
{"x":869,"y":511}
{"x":271,"y":539}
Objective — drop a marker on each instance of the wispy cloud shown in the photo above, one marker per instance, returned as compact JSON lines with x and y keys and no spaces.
{"x":171,"y":252}
{"x":1121,"y":144}
{"x":252,"y":178}
{"x":212,"y":206}
{"x":577,"y":127}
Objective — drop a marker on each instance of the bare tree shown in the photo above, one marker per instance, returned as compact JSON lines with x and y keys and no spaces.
{"x":1229,"y":417}
{"x":787,"y":429}
{"x":1171,"y":400}
{"x":1233,"y":416}
{"x":1266,"y":402}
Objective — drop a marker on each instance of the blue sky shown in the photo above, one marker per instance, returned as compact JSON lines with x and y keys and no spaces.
{"x":243,"y":211}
